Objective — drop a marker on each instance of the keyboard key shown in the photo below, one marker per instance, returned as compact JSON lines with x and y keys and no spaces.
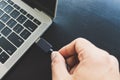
{"x":2,"y":4}
{"x":18,"y":28}
{"x":6,"y":31}
{"x":25,"y":34}
{"x":16,"y":6}
{"x":15,"y":14}
{"x":8,"y":9}
{"x":21,"y":19}
{"x":23,"y":11}
{"x":30,"y":16}
{"x":3,"y":57}
{"x":15,"y":39}
{"x":30,"y":25}
{"x":11,"y":23}
{"x":7,"y":46}
{"x":1,"y":25}
{"x":0,"y":50}
{"x":1,"y":12}
{"x":37,"y":22}
{"x":5,"y":18}
{"x":10,"y":2}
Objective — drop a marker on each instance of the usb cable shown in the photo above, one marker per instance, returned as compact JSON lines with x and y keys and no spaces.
{"x":44,"y":45}
{"x":47,"y":47}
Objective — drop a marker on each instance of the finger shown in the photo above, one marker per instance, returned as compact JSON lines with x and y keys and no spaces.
{"x":68,"y":50}
{"x":58,"y":67}
{"x":72,"y":61}
{"x":73,"y":69}
{"x":80,"y":46}
{"x":114,"y":62}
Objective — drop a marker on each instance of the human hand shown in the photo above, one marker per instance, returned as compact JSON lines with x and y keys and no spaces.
{"x":86,"y":62}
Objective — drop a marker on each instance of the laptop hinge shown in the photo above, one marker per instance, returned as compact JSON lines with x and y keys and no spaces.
{"x":43,"y":12}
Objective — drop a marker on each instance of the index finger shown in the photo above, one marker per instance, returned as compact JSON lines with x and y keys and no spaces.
{"x":80,"y":46}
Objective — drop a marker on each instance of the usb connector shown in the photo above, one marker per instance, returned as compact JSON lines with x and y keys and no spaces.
{"x":45,"y":45}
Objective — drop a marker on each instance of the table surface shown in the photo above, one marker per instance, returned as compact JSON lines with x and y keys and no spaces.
{"x":95,"y":20}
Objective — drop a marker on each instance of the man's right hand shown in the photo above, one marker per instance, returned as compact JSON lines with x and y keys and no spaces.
{"x":86,"y":62}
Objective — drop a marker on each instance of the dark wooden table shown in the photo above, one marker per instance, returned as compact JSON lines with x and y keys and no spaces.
{"x":95,"y":20}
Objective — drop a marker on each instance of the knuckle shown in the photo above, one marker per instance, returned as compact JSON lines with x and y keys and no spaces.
{"x":114,"y":60}
{"x":84,"y":43}
{"x":81,"y":39}
{"x":105,"y":52}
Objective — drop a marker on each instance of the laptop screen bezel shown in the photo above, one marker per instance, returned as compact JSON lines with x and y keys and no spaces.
{"x":52,"y":14}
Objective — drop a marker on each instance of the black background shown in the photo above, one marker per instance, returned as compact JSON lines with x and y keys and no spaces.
{"x":95,"y":20}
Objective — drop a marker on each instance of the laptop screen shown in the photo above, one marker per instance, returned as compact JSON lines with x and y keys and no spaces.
{"x":47,"y":6}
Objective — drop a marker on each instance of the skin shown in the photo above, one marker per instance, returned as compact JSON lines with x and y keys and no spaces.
{"x":85,"y":62}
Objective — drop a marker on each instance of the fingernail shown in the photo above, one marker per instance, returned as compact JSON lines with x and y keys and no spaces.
{"x":53,"y":55}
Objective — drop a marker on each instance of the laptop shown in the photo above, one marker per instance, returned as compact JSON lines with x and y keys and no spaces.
{"x":22,"y":22}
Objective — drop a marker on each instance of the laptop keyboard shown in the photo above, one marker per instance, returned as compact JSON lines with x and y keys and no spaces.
{"x":16,"y":25}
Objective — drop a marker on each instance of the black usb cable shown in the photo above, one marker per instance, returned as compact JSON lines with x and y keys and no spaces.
{"x":45,"y":45}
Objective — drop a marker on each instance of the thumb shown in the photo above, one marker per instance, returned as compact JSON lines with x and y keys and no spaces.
{"x":59,"y":70}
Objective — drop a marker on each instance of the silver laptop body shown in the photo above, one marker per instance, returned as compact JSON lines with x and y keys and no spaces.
{"x":22,"y":22}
